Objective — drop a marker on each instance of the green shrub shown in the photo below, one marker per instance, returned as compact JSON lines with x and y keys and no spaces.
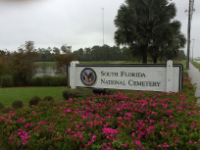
{"x":6,"y":81}
{"x":53,"y":104}
{"x":36,"y":81}
{"x":1,"y":106}
{"x":76,"y":93}
{"x":46,"y":80}
{"x":43,"y":103}
{"x":49,"y":98}
{"x":114,"y":91}
{"x":62,"y":80}
{"x":34,"y":101}
{"x":7,"y":109}
{"x":52,"y":81}
{"x":17,"y":104}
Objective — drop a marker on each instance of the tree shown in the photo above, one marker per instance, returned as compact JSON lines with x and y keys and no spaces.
{"x":88,"y":54}
{"x":29,"y":46}
{"x":181,"y":55}
{"x":141,"y":22}
{"x":2,"y":52}
{"x":64,"y":59}
{"x":66,"y":49}
{"x":169,"y":43}
{"x":5,"y":64}
{"x":22,"y":63}
{"x":56,"y":50}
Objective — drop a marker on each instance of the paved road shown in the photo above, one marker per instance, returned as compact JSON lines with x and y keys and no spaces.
{"x":194,"y":74}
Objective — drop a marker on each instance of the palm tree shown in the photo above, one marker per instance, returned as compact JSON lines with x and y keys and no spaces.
{"x":169,"y":43}
{"x":140,"y":22}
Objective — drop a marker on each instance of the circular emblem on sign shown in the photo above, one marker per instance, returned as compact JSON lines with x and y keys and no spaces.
{"x":88,"y":76}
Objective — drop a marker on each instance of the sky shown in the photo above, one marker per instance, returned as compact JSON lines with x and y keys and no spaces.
{"x":76,"y":23}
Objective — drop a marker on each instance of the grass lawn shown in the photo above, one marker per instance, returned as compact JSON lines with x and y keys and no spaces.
{"x":46,"y":64}
{"x":9,"y":95}
{"x":196,"y":64}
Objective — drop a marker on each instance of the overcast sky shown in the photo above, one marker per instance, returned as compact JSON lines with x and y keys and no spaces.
{"x":77,"y":23}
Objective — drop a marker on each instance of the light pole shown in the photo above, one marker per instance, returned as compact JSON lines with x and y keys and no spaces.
{"x":103,"y":24}
{"x":192,"y":49}
{"x":103,"y":32}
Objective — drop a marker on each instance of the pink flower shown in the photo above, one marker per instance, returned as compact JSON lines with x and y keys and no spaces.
{"x":33,"y":112}
{"x":68,"y":110}
{"x":12,"y":142}
{"x":162,"y":122}
{"x":94,"y":137}
{"x":68,"y":130}
{"x":165,"y":145}
{"x":137,"y":142}
{"x":24,"y":142}
{"x":75,"y":135}
{"x":104,"y":144}
{"x":43,"y":122}
{"x":31,"y":124}
{"x":11,"y":136}
{"x":89,"y":134}
{"x":190,"y":141}
{"x":195,"y":143}
{"x":10,"y":121}
{"x":89,"y":143}
{"x":133,"y":134}
{"x":36,"y":127}
{"x":26,"y":125}
{"x":125,"y":144}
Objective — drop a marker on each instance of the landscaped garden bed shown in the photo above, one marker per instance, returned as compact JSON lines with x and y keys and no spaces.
{"x":141,"y":121}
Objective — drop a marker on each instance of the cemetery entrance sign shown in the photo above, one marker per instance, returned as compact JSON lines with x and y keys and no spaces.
{"x":155,"y":77}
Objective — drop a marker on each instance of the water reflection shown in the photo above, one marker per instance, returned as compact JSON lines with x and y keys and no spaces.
{"x":46,"y":71}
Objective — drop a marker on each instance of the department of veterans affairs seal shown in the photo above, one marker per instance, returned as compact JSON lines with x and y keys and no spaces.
{"x":88,"y":76}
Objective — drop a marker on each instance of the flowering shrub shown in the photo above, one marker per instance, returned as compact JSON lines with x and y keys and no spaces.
{"x":143,"y":121}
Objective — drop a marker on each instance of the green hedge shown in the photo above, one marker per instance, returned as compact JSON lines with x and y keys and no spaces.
{"x":46,"y":80}
{"x":76,"y":93}
{"x":6,"y":81}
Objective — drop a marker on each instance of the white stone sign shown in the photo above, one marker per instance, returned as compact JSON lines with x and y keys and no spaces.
{"x":156,"y":77}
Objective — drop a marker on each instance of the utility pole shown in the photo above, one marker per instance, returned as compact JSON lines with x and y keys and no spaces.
{"x":190,"y":13}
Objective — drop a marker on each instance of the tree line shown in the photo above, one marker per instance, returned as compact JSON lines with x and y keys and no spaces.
{"x":96,"y":53}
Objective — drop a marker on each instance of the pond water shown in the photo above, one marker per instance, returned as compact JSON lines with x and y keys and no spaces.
{"x":46,"y":71}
